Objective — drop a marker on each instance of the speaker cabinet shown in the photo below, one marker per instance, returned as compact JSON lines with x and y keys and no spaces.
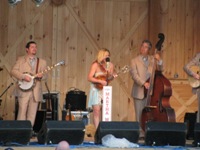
{"x":165,"y":133}
{"x":128,"y":130}
{"x":197,"y":135}
{"x":15,"y":132}
{"x":55,"y":131}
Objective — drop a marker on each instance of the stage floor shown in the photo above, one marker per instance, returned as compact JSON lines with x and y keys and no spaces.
{"x":98,"y":147}
{"x":90,"y":145}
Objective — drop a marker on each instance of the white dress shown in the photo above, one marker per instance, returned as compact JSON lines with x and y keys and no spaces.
{"x":95,"y":95}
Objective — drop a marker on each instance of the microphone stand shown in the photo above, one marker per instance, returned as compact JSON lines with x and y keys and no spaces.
{"x":3,"y":94}
{"x":107,"y":66}
{"x":48,"y":104}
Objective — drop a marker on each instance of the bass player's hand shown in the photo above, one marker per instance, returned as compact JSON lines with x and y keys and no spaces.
{"x":146,"y":85}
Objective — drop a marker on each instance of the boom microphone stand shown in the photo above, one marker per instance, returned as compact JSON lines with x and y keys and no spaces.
{"x":3,"y":94}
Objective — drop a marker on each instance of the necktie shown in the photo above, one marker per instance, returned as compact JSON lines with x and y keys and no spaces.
{"x":32,"y":62}
{"x":144,"y":58}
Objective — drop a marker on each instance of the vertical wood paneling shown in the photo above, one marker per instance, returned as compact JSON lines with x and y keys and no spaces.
{"x":99,"y":22}
{"x":189,"y":30}
{"x":171,"y":35}
{"x":108,"y":23}
{"x":196,"y":25}
{"x":75,"y":31}
{"x":4,"y":27}
{"x":82,"y":48}
{"x":72,"y":48}
{"x":62,"y":51}
{"x":179,"y":43}
{"x":54,"y":50}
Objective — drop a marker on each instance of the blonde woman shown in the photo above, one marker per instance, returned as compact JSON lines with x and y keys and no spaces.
{"x":101,"y":72}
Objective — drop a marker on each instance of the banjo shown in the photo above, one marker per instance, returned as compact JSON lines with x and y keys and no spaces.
{"x":25,"y":86}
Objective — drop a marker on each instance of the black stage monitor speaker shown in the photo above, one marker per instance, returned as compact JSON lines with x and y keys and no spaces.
{"x":128,"y":130}
{"x":197,"y":135}
{"x":15,"y":132}
{"x":55,"y":131}
{"x":165,"y":133}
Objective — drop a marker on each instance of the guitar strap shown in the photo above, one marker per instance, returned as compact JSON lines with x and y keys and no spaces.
{"x":37,"y":65}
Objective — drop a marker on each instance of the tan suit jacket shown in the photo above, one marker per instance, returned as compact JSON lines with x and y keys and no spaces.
{"x":194,"y":62}
{"x":141,"y":71}
{"x":21,"y":66}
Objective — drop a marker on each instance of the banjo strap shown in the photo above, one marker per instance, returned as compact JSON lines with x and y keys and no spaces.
{"x":36,"y":73}
{"x":37,"y":65}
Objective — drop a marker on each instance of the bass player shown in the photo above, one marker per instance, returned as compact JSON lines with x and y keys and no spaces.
{"x":141,"y":71}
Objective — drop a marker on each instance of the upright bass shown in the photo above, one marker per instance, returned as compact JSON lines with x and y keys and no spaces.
{"x":158,"y":95}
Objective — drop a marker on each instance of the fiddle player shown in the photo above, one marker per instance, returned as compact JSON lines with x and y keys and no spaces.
{"x":195,"y":61}
{"x":99,"y":68}
{"x":141,"y":71}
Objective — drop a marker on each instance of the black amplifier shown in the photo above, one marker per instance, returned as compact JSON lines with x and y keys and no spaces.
{"x":76,"y":99}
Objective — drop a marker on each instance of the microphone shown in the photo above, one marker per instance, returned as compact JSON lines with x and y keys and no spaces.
{"x":107,"y":63}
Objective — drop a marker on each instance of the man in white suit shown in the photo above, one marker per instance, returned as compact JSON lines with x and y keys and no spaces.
{"x":141,"y":71}
{"x":28,"y":100}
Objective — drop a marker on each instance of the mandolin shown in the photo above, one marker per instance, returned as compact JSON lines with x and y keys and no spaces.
{"x":108,"y":79}
{"x":69,"y":116}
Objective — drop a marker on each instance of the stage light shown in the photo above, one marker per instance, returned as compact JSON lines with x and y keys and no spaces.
{"x":13,"y":2}
{"x":38,"y":2}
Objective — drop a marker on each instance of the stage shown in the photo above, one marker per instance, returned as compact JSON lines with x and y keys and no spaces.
{"x":89,"y":144}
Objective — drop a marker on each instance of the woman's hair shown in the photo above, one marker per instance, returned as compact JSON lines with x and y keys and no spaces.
{"x":101,"y":54}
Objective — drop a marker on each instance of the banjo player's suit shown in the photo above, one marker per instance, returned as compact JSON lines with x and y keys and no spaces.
{"x":28,"y":100}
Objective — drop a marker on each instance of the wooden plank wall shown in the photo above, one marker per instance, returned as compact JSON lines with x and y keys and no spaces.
{"x":75,"y":30}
